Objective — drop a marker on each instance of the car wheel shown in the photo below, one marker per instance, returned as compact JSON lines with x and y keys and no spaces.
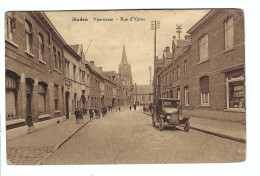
{"x":153,"y":122}
{"x":160,"y":124}
{"x":187,"y":126}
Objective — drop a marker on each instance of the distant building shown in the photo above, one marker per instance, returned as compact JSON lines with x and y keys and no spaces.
{"x":143,"y":94}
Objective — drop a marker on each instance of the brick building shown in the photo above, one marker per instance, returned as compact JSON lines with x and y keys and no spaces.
{"x":34,"y":71}
{"x":208,"y":71}
{"x":143,"y":94}
{"x":47,"y":79}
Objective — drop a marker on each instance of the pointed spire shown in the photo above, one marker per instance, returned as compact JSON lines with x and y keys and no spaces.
{"x":124,"y":58}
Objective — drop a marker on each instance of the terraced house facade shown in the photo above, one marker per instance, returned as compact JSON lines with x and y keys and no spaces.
{"x":209,"y":71}
{"x":45,"y":78}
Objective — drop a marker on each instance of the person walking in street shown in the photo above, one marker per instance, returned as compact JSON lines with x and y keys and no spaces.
{"x":130,"y":107}
{"x":135,"y":107}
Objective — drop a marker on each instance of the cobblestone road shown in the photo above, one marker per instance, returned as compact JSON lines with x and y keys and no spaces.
{"x":127,"y":137}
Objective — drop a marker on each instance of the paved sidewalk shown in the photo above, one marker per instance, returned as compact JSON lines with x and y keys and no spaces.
{"x":34,"y":147}
{"x":225,"y":129}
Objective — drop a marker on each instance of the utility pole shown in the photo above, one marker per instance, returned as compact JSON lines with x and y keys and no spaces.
{"x":178,"y":30}
{"x":150,"y":68}
{"x":155,"y":25}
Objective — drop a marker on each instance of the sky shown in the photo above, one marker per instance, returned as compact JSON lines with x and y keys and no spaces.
{"x":108,"y":37}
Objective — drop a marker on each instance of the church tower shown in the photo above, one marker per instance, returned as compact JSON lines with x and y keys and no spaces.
{"x":125,"y":70}
{"x":126,"y":76}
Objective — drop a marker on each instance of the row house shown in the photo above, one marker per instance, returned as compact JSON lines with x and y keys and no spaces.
{"x":208,"y":68}
{"x":77,"y":86}
{"x":34,"y":69}
{"x":46,"y":79}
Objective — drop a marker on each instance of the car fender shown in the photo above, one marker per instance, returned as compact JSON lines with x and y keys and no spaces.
{"x":183,"y":120}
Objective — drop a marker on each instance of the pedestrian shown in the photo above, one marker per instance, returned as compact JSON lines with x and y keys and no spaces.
{"x":130,"y":107}
{"x":135,"y":107}
{"x":91,"y":113}
{"x":119,"y":108}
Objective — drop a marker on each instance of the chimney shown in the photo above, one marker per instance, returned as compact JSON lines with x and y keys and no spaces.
{"x":92,"y":62}
{"x":187,"y":37}
{"x":100,"y":68}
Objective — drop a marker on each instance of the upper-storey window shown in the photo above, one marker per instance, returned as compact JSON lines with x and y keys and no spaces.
{"x":203,"y":48}
{"x":41,"y":47}
{"x":9,"y":27}
{"x":185,"y":68}
{"x":55,"y":57}
{"x":229,"y":40}
{"x":28,"y":35}
{"x":59,"y":61}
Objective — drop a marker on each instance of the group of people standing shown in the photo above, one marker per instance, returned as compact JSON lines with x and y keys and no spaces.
{"x":130,"y":107}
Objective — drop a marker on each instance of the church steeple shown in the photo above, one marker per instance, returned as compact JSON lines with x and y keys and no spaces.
{"x":124,"y":58}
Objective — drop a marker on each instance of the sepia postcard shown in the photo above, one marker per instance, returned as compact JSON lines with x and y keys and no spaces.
{"x":125,"y":87}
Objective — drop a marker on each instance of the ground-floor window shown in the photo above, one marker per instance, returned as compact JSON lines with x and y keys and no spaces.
{"x":236,"y":91}
{"x":178,"y":93}
{"x":56,"y":97}
{"x":186,"y":96}
{"x":204,"y":90}
{"x":11,"y":97}
{"x":42,"y":89}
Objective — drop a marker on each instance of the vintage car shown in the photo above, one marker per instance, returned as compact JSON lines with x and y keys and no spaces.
{"x":169,"y":111}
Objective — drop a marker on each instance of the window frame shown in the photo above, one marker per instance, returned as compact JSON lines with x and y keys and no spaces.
{"x":229,"y":30}
{"x":28,"y":36}
{"x":203,"y":46}
{"x":204,"y":96}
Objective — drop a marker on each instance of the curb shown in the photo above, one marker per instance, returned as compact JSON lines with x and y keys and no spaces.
{"x":215,"y":134}
{"x":57,"y":146}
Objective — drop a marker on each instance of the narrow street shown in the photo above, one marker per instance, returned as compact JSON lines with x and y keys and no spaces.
{"x":127,"y":137}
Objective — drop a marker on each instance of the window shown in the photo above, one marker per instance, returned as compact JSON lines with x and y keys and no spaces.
{"x":83,"y":77}
{"x":11,"y":97}
{"x":74,"y":72}
{"x":143,"y":98}
{"x":236,"y":91}
{"x":178,"y":93}
{"x":178,"y":71}
{"x":42,"y":89}
{"x":41,"y":47}
{"x":174,"y":74}
{"x":28,"y":35}
{"x":229,"y":40}
{"x":204,"y":90}
{"x":185,"y":68}
{"x":150,"y":97}
{"x":67,"y":67}
{"x":203,"y":48}
{"x":55,"y":57}
{"x":186,"y":96}
{"x":59,"y":61}
{"x":9,"y":28}
{"x":56,"y":97}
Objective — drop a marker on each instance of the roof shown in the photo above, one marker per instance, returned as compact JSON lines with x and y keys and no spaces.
{"x":110,"y":73}
{"x":182,"y":43}
{"x":144,"y":89}
{"x":124,"y":58}
{"x":75,"y":48}
{"x":209,"y":15}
